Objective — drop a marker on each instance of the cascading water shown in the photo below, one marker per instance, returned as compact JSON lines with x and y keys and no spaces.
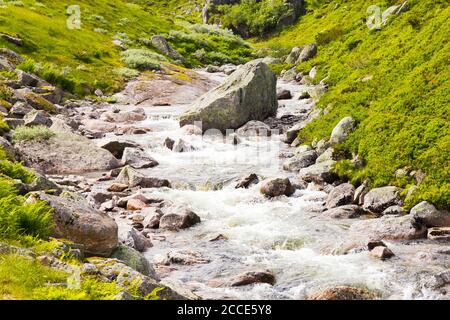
{"x":287,"y":236}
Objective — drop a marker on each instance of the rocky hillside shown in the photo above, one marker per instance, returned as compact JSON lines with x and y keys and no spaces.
{"x":391,"y":78}
{"x":100,"y":45}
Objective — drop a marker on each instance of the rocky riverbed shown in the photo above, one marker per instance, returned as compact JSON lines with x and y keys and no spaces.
{"x":249,"y":215}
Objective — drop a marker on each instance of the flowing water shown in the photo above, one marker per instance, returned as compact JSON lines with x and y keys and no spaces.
{"x":287,"y":236}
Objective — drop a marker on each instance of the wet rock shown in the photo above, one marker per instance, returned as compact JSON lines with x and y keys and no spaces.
{"x":345,"y":212}
{"x":117,"y":147}
{"x":186,"y":258}
{"x":176,"y":218}
{"x":37,"y":118}
{"x":233,"y":139}
{"x":427,"y":214}
{"x":343,"y":293}
{"x":248,"y":181}
{"x":152,"y":219}
{"x":138,"y":159}
{"x":340,"y":196}
{"x":300,"y":161}
{"x":284,"y":95}
{"x":249,"y":94}
{"x":130,"y":177}
{"x":254,"y":129}
{"x":252,"y":277}
{"x":375,"y":243}
{"x":219,"y":237}
{"x":439,"y":234}
{"x":78,"y":222}
{"x":192,"y":130}
{"x":130,"y":130}
{"x":182,"y":146}
{"x":133,"y":259}
{"x":11,"y":39}
{"x":304,"y":96}
{"x":382,"y":253}
{"x":389,"y":228}
{"x":379,"y":199}
{"x":135,"y":115}
{"x":136,"y":241}
{"x":308,"y":52}
{"x":342,"y":130}
{"x":277,"y":187}
{"x":65,"y":153}
{"x":169,"y":143}
{"x":319,"y":173}
{"x":394,"y":210}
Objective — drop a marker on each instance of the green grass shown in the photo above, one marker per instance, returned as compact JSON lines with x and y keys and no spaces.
{"x":22,"y":133}
{"x":394,"y":82}
{"x":81,"y":61}
{"x":26,"y":279}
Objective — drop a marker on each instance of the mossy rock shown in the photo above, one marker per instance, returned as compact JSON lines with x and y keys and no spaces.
{"x":133,"y":259}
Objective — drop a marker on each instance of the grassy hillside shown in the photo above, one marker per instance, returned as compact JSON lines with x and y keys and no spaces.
{"x":393,"y":81}
{"x":82,"y":60}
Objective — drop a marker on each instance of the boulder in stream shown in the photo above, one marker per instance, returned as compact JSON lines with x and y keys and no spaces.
{"x":248,"y":94}
{"x":277,"y":187}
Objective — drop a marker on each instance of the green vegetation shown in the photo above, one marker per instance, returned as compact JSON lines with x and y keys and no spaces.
{"x":252,"y":17}
{"x":393,"y":81}
{"x":81,"y":60}
{"x":23,"y":133}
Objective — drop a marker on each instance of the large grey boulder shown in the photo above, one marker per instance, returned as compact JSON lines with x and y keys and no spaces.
{"x":248,"y":94}
{"x":64,"y":153}
{"x":379,"y":199}
{"x":78,"y":222}
{"x":427,"y":213}
{"x":342,"y":130}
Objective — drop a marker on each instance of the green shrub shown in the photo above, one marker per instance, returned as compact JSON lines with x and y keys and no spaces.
{"x":22,"y":133}
{"x":3,"y":126}
{"x":16,"y":171}
{"x":5,"y":92}
{"x":142,"y":59}
{"x":252,"y":17}
{"x":19,"y":219}
{"x":127,"y":73}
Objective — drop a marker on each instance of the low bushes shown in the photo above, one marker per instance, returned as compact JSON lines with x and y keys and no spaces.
{"x":23,"y":133}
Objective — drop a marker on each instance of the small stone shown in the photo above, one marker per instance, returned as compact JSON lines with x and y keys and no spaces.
{"x":117,"y":187}
{"x":136,"y":204}
{"x":253,"y":277}
{"x":382,"y":253}
{"x":248,"y":181}
{"x":375,"y":243}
